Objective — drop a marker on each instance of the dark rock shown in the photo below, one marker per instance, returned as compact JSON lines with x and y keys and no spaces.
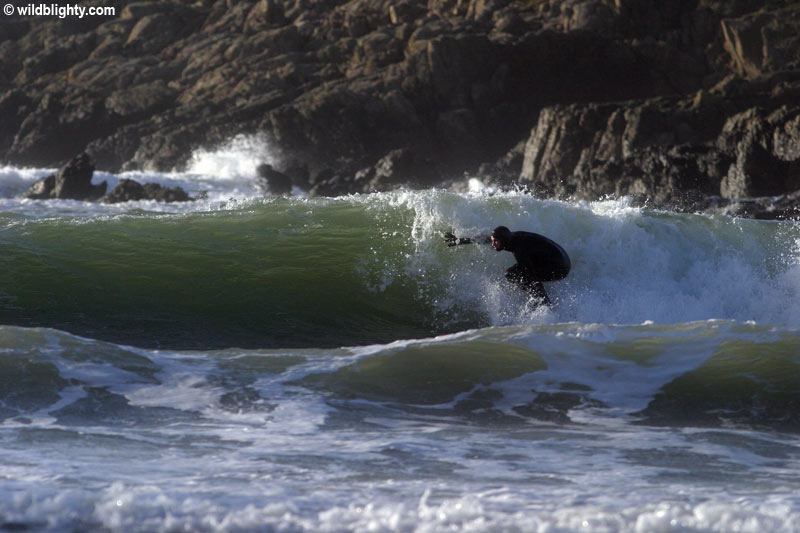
{"x":160,"y":193}
{"x":141,"y":100}
{"x":763,"y":42}
{"x":505,"y":171}
{"x":402,"y":166}
{"x":42,"y":189}
{"x":664,"y":149}
{"x":53,"y":130}
{"x":375,"y":51}
{"x":512,"y":24}
{"x":625,"y":93}
{"x":459,"y":137}
{"x":159,"y":25}
{"x":264,"y":14}
{"x":565,"y":135}
{"x":340,"y":126}
{"x":141,"y":9}
{"x":405,"y":11}
{"x":119,"y":149}
{"x":73,"y":182}
{"x":277,"y":182}
{"x":128,"y":190}
{"x":326,"y":182}
{"x":767,"y":161}
{"x":592,"y":16}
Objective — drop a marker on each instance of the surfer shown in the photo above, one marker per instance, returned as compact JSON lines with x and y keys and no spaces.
{"x":538,"y":258}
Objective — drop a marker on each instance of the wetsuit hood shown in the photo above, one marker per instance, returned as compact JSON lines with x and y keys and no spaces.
{"x":501,"y":238}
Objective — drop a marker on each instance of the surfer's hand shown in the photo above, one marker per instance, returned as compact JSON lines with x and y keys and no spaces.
{"x":452,"y":240}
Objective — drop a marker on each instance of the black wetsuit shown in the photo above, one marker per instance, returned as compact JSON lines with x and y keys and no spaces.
{"x":538,"y":259}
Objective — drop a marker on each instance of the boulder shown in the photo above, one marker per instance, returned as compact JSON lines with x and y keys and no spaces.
{"x":42,"y":189}
{"x":128,"y":190}
{"x":73,"y":182}
{"x":276,"y":182}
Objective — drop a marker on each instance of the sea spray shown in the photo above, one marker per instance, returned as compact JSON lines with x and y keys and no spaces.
{"x":630,"y":265}
{"x":221,"y":177}
{"x":237,"y":158}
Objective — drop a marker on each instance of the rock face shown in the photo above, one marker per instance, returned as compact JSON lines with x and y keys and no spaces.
{"x":735,"y":139}
{"x":665,"y":150}
{"x":647,"y":97}
{"x":765,"y":147}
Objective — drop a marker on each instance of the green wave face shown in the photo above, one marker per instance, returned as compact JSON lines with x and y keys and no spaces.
{"x":373,"y":269}
{"x":429,"y":373}
{"x":743,"y":382}
{"x":283,"y":273}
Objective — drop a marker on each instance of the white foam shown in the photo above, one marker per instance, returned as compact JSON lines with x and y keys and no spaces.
{"x":14,"y":181}
{"x":122,"y":508}
{"x":628,"y":265}
{"x":237,"y":158}
{"x":314,"y":464}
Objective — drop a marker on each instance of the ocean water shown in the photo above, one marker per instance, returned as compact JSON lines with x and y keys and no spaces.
{"x":293,"y":364}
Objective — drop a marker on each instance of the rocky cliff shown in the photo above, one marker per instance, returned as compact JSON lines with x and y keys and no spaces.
{"x":667,"y":100}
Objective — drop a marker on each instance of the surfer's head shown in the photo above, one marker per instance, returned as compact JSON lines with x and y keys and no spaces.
{"x":501,"y":237}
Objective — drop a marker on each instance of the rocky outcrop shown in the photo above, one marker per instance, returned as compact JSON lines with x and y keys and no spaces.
{"x":765,"y":148}
{"x":402,"y":167}
{"x":73,"y":182}
{"x":763,"y":42}
{"x":645,"y":97}
{"x":128,"y":190}
{"x":336,"y":83}
{"x":665,"y":150}
{"x":736,"y":139}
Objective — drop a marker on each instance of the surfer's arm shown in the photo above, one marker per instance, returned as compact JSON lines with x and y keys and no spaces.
{"x":452,"y":240}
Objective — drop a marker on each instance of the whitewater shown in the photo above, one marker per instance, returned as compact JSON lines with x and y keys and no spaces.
{"x":246,"y":362}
